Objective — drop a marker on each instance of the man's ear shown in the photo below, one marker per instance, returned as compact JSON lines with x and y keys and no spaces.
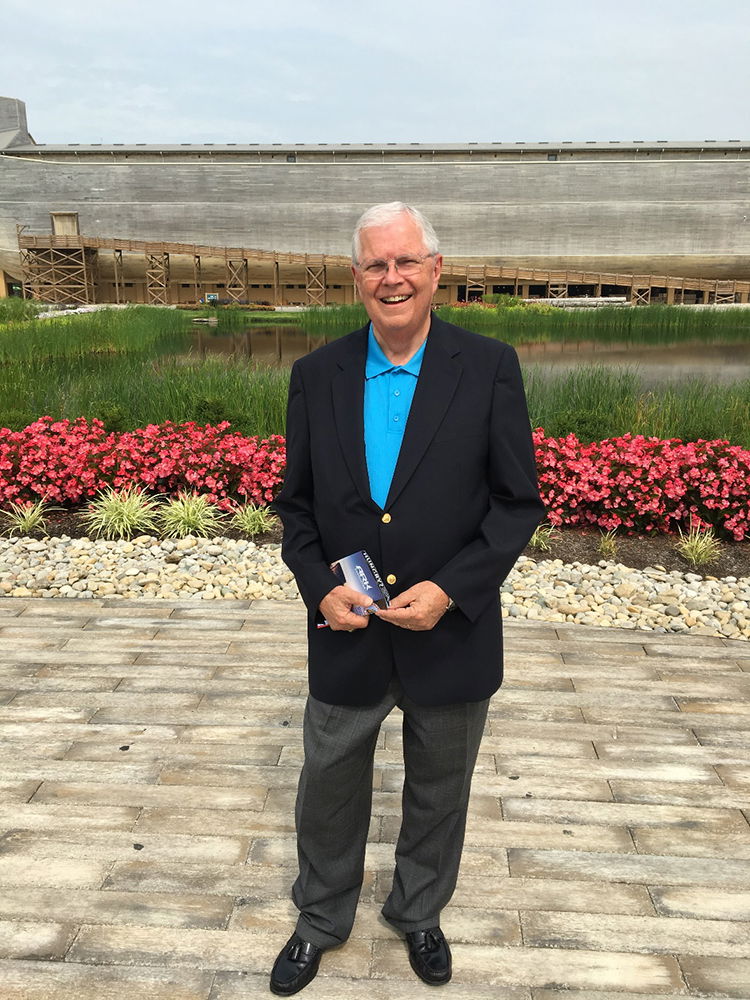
{"x":437,"y":270}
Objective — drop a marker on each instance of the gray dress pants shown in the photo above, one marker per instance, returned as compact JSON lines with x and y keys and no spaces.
{"x":334,"y":802}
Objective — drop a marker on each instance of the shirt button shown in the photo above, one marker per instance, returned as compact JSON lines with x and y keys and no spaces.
{"x":396,"y":418}
{"x":397,"y":392}
{"x":390,"y":578}
{"x":386,"y":518}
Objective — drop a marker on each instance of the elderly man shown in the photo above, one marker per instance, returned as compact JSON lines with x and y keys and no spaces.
{"x":408,"y":439}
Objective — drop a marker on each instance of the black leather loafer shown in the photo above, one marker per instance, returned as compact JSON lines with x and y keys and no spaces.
{"x":295,"y":967}
{"x":430,"y":956}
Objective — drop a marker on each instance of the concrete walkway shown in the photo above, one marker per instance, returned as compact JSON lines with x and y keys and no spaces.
{"x":150,"y":752}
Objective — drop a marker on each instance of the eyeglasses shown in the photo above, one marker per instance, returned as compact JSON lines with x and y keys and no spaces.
{"x":405,"y":266}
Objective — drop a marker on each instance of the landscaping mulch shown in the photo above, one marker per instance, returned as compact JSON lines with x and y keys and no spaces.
{"x":638,"y":552}
{"x":569,"y":545}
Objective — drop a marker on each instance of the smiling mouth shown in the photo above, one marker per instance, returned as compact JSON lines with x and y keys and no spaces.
{"x":391,"y":300}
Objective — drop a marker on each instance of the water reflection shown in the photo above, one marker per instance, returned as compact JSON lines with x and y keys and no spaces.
{"x":655,"y":363}
{"x":270,"y":345}
{"x":282,"y":345}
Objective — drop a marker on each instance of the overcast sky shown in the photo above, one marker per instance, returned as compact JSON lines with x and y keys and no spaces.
{"x":378,"y":71}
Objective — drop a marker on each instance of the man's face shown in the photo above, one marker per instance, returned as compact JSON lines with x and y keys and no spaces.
{"x":398,"y":304}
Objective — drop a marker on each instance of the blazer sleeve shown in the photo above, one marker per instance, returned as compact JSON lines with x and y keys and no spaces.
{"x":301,"y":547}
{"x":515,"y":507}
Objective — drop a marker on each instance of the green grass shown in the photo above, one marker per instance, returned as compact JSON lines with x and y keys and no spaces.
{"x":597,"y":402}
{"x":135,"y":330}
{"x":524,"y":324}
{"x":333,"y":321}
{"x":13,"y":310}
{"x":127,"y":392}
{"x":529,"y":323}
{"x":129,"y":368}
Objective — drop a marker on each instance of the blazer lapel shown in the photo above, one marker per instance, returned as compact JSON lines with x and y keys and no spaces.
{"x":438,"y":378}
{"x":348,"y":394}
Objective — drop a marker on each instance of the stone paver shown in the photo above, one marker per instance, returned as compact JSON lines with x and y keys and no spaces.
{"x":149,"y":753}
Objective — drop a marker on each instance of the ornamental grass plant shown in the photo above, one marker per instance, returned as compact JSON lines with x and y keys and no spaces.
{"x":253,"y":519}
{"x":699,"y":545}
{"x":541,"y":540}
{"x":26,"y":518}
{"x":608,"y":544}
{"x":122,"y":513}
{"x":190,"y":514}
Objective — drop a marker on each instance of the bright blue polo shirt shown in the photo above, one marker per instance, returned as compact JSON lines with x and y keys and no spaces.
{"x":389,"y":390}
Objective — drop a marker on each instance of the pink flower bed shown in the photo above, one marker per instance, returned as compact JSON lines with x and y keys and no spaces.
{"x":639,"y":484}
{"x":631,"y":483}
{"x":69,"y":461}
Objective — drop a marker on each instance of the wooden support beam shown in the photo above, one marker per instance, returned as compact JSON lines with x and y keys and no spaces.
{"x":197,"y":282}
{"x":117,"y":268}
{"x":724,"y":292}
{"x":476,"y":282}
{"x":236,"y":280}
{"x":557,"y":284}
{"x":63,"y":276}
{"x":315,"y":280}
{"x":157,"y":279}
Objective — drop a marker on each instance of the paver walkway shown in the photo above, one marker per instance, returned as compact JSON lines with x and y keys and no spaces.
{"x":150,"y":752}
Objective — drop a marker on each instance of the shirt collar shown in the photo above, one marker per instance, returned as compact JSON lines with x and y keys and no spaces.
{"x":378,"y":364}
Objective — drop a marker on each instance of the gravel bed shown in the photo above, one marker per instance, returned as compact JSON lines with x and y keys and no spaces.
{"x":606,"y":594}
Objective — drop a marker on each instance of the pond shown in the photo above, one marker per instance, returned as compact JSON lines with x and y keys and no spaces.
{"x":656,"y":363}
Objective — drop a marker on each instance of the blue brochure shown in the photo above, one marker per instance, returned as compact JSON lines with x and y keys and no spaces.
{"x":358,"y":572}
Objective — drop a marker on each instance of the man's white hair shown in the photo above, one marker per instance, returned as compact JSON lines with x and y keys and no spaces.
{"x":381,"y":215}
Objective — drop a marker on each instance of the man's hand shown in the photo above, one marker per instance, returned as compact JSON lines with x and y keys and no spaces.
{"x":419,"y":608}
{"x":336,"y":608}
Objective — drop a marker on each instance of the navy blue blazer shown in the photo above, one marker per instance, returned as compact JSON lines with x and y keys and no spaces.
{"x":462,"y":505}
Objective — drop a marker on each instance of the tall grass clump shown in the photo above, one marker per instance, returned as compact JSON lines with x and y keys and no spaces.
{"x":122,"y":513}
{"x":598,"y":402}
{"x":190,"y":514}
{"x":590,"y":402}
{"x":333,"y":321}
{"x":15,"y":310}
{"x":657,"y":324}
{"x":133,"y":330}
{"x":518,"y":322}
{"x":126,"y":392}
